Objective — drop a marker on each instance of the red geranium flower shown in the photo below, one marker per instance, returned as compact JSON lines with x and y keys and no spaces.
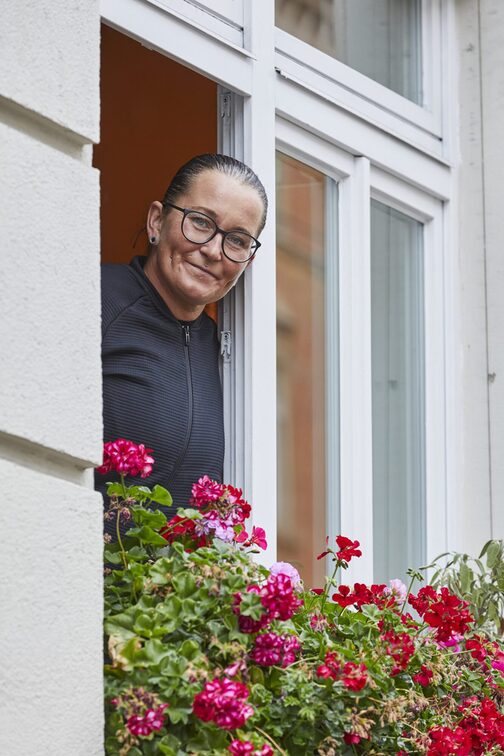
{"x":424,"y":676}
{"x":347,"y":548}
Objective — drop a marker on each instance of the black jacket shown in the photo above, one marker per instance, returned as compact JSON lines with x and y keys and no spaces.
{"x":161,"y":383}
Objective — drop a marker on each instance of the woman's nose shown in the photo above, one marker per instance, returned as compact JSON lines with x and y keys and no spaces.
{"x":213,"y":248}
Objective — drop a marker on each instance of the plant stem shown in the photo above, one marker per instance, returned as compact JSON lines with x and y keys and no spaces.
{"x":407,"y":594}
{"x":125,"y":493}
{"x":119,"y":540}
{"x":330,"y":582}
{"x":118,"y":528}
{"x":273,"y":742}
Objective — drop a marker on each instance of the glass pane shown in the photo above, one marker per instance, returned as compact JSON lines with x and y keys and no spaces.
{"x":379,"y":38}
{"x":300,"y":201}
{"x":398,"y":392}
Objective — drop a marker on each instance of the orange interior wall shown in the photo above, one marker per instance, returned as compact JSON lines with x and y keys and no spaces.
{"x":155,"y":115}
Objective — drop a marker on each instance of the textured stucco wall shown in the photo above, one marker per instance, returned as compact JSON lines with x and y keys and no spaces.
{"x":50,"y":621}
{"x":471,"y":527}
{"x":480,"y":29}
{"x":50,"y":384}
{"x":492,"y":97}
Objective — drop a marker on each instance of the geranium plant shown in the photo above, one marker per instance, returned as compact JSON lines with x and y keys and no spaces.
{"x":212,"y":653}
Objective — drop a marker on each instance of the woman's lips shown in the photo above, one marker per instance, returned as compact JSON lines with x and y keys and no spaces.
{"x":202,"y":269}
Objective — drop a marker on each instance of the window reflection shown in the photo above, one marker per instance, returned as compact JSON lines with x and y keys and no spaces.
{"x":379,"y":38}
{"x":301,"y":367}
{"x":397,"y":330}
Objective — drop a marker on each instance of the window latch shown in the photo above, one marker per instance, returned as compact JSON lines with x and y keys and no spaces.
{"x":225,"y":345}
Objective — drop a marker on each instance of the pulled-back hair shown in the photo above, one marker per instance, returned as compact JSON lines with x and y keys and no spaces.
{"x":186,"y":174}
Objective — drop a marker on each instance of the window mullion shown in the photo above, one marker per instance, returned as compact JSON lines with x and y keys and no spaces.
{"x":332,"y":360}
{"x":355,"y":366}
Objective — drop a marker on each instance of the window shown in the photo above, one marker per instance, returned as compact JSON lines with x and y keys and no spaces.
{"x":379,"y":38}
{"x":302,"y":417}
{"x":398,"y":417}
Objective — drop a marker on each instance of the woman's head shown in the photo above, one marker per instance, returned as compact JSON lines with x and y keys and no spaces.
{"x":226,"y":165}
{"x":225,"y":196}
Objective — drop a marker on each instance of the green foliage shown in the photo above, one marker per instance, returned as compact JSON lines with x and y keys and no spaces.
{"x":171,"y":625}
{"x":480,"y":582}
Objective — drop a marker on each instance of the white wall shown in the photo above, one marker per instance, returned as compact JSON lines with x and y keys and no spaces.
{"x":480,"y":512}
{"x":492,"y":93}
{"x":50,"y":393}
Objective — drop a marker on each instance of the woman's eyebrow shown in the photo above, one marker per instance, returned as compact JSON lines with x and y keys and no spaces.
{"x":213,"y":214}
{"x":206,"y":210}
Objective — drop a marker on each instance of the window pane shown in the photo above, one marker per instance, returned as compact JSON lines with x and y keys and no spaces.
{"x":379,"y":38}
{"x":398,"y":392}
{"x":301,"y":366}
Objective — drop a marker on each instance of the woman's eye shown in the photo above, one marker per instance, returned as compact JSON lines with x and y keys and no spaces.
{"x":201,"y":222}
{"x":236,"y":240}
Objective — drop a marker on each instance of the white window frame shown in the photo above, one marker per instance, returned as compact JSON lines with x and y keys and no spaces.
{"x":249,"y":73}
{"x":359,"y":182}
{"x":330,"y":122}
{"x":345,"y":87}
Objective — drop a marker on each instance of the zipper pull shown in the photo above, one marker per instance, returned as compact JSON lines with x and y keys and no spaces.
{"x":187,"y":334}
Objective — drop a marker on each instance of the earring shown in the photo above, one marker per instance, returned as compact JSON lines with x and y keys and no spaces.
{"x":153,"y":240}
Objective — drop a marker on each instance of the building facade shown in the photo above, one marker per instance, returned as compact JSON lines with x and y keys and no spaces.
{"x":362,"y":362}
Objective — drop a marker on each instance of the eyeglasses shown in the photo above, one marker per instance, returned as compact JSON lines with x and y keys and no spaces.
{"x":199,"y":228}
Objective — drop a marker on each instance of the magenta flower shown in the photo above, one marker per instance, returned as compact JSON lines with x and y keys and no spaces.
{"x":271,"y":650}
{"x":245,"y":747}
{"x":151,"y":721}
{"x":278,"y":597}
{"x":205,"y":491}
{"x":223,"y":702}
{"x":285,"y":568}
{"x":126,"y":458}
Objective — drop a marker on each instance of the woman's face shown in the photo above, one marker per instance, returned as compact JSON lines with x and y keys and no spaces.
{"x":187,"y":275}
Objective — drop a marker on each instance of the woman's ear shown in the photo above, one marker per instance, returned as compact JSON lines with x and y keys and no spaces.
{"x":154,"y":220}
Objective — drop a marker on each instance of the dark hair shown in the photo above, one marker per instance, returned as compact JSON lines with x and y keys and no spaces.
{"x":230,"y":166}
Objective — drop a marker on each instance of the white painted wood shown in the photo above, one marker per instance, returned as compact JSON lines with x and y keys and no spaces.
{"x":332,"y":362}
{"x":210,"y":14}
{"x":179,"y":37}
{"x":231,"y":313}
{"x":359,"y":137}
{"x":322,"y":72}
{"x":356,"y":517}
{"x":201,"y":15}
{"x":435,"y":389}
{"x":260,"y":282}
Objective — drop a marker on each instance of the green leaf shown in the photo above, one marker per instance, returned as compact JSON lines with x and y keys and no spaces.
{"x":112,"y":557}
{"x":155,"y":519}
{"x":184,"y":584}
{"x":189,"y":649}
{"x":114,"y":489}
{"x":161,"y":496}
{"x":257,"y":675}
{"x":147,"y":535}
{"x":493,"y":553}
{"x":169,"y":745}
{"x":466,"y":577}
{"x":170,"y":607}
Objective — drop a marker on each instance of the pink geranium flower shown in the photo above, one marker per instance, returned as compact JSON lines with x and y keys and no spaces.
{"x":285,"y":568}
{"x":126,"y":458}
{"x":223,"y":702}
{"x":151,"y":721}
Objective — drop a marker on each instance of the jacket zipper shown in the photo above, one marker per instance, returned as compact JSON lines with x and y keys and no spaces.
{"x":186,"y":334}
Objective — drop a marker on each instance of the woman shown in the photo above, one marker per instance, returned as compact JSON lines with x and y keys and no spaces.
{"x":161,"y":384}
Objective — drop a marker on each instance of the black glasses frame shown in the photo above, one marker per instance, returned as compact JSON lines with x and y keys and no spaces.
{"x":187,"y":210}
